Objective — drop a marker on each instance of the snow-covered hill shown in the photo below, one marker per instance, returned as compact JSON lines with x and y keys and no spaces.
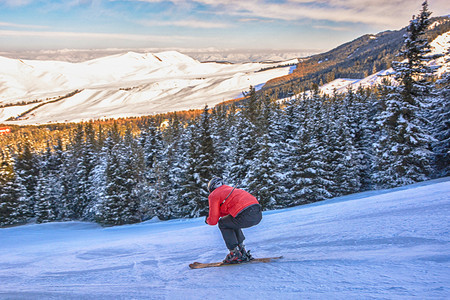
{"x":392,"y":244}
{"x":441,"y":45}
{"x":122,"y":85}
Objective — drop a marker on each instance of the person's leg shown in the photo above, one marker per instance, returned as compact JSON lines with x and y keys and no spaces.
{"x":230,"y":231}
{"x":249,"y":217}
{"x":239,"y":236}
{"x":230,"y":227}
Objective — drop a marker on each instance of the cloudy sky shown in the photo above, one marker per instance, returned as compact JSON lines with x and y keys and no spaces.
{"x":238,"y":24}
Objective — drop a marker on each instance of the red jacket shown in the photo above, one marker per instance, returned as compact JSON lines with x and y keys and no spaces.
{"x":236,"y":202}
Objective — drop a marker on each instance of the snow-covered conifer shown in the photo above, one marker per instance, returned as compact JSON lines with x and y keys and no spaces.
{"x":403,"y":151}
{"x":441,"y":128}
{"x":12,"y":208}
{"x":264,"y":179}
{"x":27,"y":171}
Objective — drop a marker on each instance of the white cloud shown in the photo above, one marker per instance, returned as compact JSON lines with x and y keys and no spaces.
{"x":187,"y":23}
{"x":6,"y":24}
{"x":333,"y":28}
{"x":16,"y":2}
{"x":89,"y":35}
{"x":322,"y":10}
{"x":380,"y":12}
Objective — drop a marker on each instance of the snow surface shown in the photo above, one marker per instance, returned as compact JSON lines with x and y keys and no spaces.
{"x":391,"y":244}
{"x":123,"y":85}
{"x":342,"y":85}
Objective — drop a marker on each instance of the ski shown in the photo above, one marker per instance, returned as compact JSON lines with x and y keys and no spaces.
{"x":198,"y":265}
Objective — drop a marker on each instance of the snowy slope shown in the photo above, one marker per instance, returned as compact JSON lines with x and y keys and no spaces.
{"x":342,"y":85}
{"x":392,"y":244}
{"x":130,"y":84}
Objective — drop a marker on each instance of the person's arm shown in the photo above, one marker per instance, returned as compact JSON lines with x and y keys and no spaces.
{"x":214,"y":211}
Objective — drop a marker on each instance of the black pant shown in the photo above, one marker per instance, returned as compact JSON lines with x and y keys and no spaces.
{"x":231,"y":226}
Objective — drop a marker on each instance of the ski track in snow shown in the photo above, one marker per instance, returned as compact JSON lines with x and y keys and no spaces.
{"x":391,"y":244}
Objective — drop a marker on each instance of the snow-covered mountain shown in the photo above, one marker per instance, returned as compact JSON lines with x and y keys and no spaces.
{"x":391,"y":244}
{"x":200,"y":54}
{"x":134,"y":84}
{"x":123,"y":85}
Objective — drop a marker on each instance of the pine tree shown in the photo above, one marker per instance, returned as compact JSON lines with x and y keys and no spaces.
{"x":201,"y":167}
{"x":344,"y":161}
{"x":163,"y":195}
{"x":243,"y":152}
{"x":321,"y":142}
{"x":302,"y":174}
{"x":221,"y":131}
{"x":192,"y":201}
{"x":66,"y":169}
{"x":48,"y":190}
{"x":131,"y":166}
{"x":347,"y":176}
{"x":252,"y":106}
{"x":86,"y":161}
{"x":292,"y":119}
{"x":245,"y":139}
{"x":45,"y":210}
{"x":120,"y":203}
{"x":441,"y":125}
{"x":154,"y":181}
{"x":414,"y":73}
{"x":364,"y":131}
{"x":264,"y":173}
{"x":207,"y":159}
{"x":72,"y":193}
{"x":403,"y":151}
{"x":6,"y":166}
{"x":11,"y":207}
{"x":27,"y":172}
{"x":112,"y":205}
{"x":151,"y":142}
{"x":309,"y":174}
{"x":170,"y":168}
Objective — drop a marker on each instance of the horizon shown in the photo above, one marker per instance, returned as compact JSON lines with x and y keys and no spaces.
{"x":45,"y":25}
{"x":202,"y":54}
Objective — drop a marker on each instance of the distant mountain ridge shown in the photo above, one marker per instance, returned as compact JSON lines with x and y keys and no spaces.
{"x":123,"y":85}
{"x":439,"y":46}
{"x":234,"y":56}
{"x":366,"y":55}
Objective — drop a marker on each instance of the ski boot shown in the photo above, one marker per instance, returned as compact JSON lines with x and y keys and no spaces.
{"x":234,"y":257}
{"x":246,"y":256}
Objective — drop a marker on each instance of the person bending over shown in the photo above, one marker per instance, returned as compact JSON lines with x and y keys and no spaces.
{"x":233,"y":209}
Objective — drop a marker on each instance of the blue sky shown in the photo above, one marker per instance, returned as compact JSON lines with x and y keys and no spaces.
{"x":237,"y":24}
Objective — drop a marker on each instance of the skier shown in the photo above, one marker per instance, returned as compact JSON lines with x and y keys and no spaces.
{"x":233,"y":209}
